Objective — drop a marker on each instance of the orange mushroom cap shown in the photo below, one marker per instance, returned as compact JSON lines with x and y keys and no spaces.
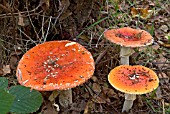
{"x":133,"y":79}
{"x":55,"y":65}
{"x":129,"y":37}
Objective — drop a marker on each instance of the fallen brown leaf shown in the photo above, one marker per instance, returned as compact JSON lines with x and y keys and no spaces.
{"x":49,"y":109}
{"x":6,"y":69}
{"x":13,"y":62}
{"x":144,"y":13}
{"x":96,"y":87}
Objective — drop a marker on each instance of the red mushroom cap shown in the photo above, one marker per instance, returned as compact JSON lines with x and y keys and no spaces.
{"x":55,"y":65}
{"x":129,"y":37}
{"x":133,"y":79}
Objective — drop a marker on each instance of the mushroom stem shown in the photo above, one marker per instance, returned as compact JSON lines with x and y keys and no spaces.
{"x":125,"y":52}
{"x":129,"y":98}
{"x":65,"y":97}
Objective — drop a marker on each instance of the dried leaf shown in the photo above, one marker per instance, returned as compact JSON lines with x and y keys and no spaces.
{"x":1,"y":72}
{"x":109,"y":92}
{"x":161,"y":60}
{"x":78,"y":107}
{"x":97,"y":99}
{"x":163,"y":77}
{"x":6,"y":69}
{"x":45,"y":4}
{"x":89,"y":106}
{"x":49,"y":109}
{"x":96,"y":88}
{"x":94,"y":78}
{"x":13,"y":62}
{"x":100,"y":99}
{"x":144,"y":13}
{"x":164,"y":28}
{"x":163,"y":44}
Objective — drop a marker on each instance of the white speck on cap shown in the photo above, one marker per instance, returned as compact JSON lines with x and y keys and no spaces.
{"x":69,"y":44}
{"x":24,"y":82}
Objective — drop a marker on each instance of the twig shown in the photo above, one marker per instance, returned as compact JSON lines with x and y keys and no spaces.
{"x":12,"y":13}
{"x":47,"y":29}
{"x":42,"y":28}
{"x":27,"y":36}
{"x":100,"y":37}
{"x":100,"y":56}
{"x":31,"y":20}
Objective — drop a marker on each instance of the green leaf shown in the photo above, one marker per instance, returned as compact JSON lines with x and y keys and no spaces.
{"x":6,"y":101}
{"x":3,"y":83}
{"x":26,"y":100}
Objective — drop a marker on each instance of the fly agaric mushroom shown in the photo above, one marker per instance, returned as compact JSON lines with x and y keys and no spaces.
{"x":55,"y":65}
{"x":128,"y":38}
{"x":133,"y":80}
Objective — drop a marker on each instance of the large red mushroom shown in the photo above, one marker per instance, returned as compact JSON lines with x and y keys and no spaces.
{"x":55,"y":65}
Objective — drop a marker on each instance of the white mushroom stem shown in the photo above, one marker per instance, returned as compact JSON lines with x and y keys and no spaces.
{"x":125,"y":52}
{"x":65,"y":97}
{"x":129,"y":98}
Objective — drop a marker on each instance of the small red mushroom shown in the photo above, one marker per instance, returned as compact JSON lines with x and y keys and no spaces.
{"x":55,"y":65}
{"x":128,"y":38}
{"x":133,"y":80}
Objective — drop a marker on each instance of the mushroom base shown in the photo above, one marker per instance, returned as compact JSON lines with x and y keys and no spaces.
{"x":129,"y":98}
